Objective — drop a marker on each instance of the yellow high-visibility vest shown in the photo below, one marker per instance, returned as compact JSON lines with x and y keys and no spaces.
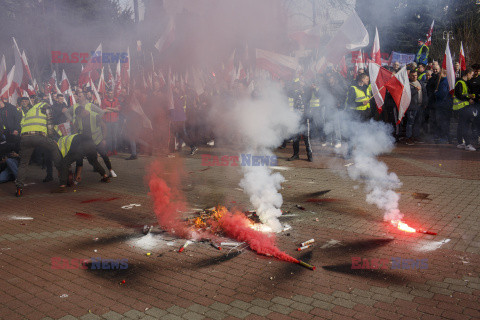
{"x":96,"y":130}
{"x":361,"y":97}
{"x":457,"y":103}
{"x":314,"y":101}
{"x":34,"y":120}
{"x":64,"y":144}
{"x":88,"y":107}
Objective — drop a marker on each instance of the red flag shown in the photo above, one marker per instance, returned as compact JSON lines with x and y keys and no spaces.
{"x":399,"y":88}
{"x":463,"y":64}
{"x":376,"y":54}
{"x":27,"y":76}
{"x":379,"y":77}
{"x":428,"y":43}
{"x":448,"y":65}
{"x":3,"y":75}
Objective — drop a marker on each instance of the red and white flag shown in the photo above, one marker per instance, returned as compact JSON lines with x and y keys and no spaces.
{"x":35,"y":85}
{"x":110,"y":79}
{"x":15,"y":87}
{"x":399,"y":88}
{"x":64,"y":84}
{"x":448,"y":65}
{"x":376,"y":54}
{"x":309,"y":38}
{"x":90,"y":70}
{"x":95,"y":93}
{"x":167,"y":37}
{"x":118,"y":79}
{"x":5,"y":78}
{"x":5,"y":92}
{"x":102,"y":87}
{"x":351,"y":36}
{"x":358,"y":60}
{"x":428,"y":43}
{"x":463,"y":64}
{"x":27,"y":76}
{"x":379,"y":77}
{"x":279,"y":65}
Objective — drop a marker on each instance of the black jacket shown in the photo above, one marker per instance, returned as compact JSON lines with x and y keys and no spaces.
{"x":10,"y":118}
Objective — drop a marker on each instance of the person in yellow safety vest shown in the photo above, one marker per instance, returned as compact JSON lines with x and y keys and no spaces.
{"x":83,"y":102}
{"x":463,"y":104}
{"x":422,"y":54}
{"x":91,"y":124}
{"x":421,"y":73}
{"x":359,"y":97}
{"x":73,"y":148}
{"x":37,"y":131}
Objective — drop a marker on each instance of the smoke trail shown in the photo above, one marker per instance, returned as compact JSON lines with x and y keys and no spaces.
{"x":366,"y":141}
{"x":263,"y":123}
{"x":164,"y":180}
{"x":237,"y":226}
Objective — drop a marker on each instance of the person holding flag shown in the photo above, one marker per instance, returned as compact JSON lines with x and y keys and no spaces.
{"x":422,"y":53}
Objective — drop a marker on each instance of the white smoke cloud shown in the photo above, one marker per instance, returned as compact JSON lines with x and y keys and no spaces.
{"x":262,"y":123}
{"x":365,"y":141}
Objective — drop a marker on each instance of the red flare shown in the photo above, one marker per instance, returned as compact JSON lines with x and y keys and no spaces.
{"x":402,"y":226}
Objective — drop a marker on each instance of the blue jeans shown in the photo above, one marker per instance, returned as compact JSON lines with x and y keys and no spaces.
{"x":414,"y":121}
{"x":10,"y":172}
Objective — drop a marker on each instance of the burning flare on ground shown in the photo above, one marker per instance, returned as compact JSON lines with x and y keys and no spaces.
{"x":210,"y":224}
{"x":402,"y":226}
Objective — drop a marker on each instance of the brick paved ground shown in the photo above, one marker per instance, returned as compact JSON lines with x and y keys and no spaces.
{"x":440,"y":192}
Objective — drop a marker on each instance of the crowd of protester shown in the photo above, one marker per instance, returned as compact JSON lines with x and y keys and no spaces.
{"x":122,"y":122}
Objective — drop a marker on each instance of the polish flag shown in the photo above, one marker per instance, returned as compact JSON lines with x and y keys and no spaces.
{"x":428,"y":43}
{"x":399,"y":88}
{"x":279,"y":65}
{"x":90,"y":70}
{"x":110,"y":81}
{"x":35,"y":85}
{"x":379,"y":77}
{"x":27,"y":76}
{"x":15,"y":88}
{"x":95,"y":93}
{"x":118,"y":79}
{"x":376,"y":54}
{"x":64,"y":84}
{"x":101,"y":88}
{"x":463,"y":64}
{"x":3,"y":76}
{"x":167,"y":37}
{"x":6,"y":92}
{"x":448,"y":65}
{"x":30,"y":91}
{"x":5,"y":85}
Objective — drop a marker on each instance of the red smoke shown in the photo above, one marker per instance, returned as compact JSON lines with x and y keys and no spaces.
{"x":164,"y":182}
{"x":237,"y":226}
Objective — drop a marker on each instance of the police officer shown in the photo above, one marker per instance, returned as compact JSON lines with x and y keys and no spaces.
{"x":463,"y":105}
{"x":37,"y":131}
{"x":359,"y":98}
{"x":297,"y":93}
